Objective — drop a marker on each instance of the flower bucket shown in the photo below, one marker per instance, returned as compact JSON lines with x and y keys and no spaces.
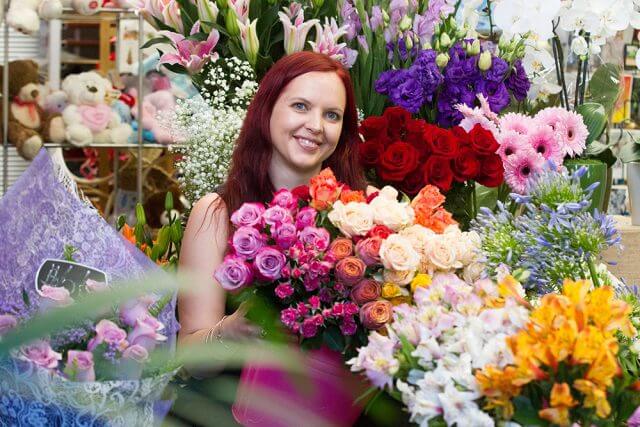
{"x":597,"y":171}
{"x":633,"y":183}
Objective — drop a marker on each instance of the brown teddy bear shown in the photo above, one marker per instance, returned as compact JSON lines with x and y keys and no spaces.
{"x":29,"y":124}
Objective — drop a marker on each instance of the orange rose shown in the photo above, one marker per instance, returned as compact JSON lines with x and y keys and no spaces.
{"x":438,"y":221}
{"x":366,"y":290}
{"x":429,"y":197}
{"x":350,"y":270}
{"x":347,"y":196}
{"x":375,"y":314}
{"x":324,"y":190}
{"x":341,"y":248}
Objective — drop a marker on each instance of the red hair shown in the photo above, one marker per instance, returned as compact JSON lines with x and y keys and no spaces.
{"x":248,"y":179}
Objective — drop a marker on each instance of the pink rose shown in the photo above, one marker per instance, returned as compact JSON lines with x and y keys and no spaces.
{"x":285,"y":235}
{"x":7,"y":322}
{"x":41,"y":354}
{"x":233,"y":273}
{"x":54,"y":296}
{"x":314,"y":237}
{"x":269,"y":263}
{"x":350,"y":270}
{"x":136,"y":353}
{"x":246,"y":241}
{"x":276,"y":215}
{"x":375,"y":314}
{"x":145,"y":335}
{"x":285,"y":199}
{"x":131,"y":311}
{"x":348,"y":326}
{"x":288,"y":316}
{"x":365,"y":290}
{"x":284,"y":290}
{"x":80,"y":366}
{"x":306,"y":217}
{"x":109,"y":333}
{"x":249,"y":215}
{"x":95,"y":286}
{"x":369,"y":250}
{"x":309,"y":327}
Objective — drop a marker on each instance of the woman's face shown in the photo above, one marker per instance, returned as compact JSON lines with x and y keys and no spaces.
{"x":306,"y":121}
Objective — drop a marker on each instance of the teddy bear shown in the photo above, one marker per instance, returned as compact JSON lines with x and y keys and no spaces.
{"x":154,"y":106}
{"x":29,"y":124}
{"x":89,"y":119}
{"x":24,"y":15}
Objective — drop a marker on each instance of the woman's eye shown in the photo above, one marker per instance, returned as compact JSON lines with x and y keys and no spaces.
{"x":299,"y":106}
{"x":333,"y":116}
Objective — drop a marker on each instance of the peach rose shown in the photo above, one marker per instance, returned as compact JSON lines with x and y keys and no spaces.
{"x":400,"y":278}
{"x":442,"y":255}
{"x":324,"y":190}
{"x":341,"y":248}
{"x":352,"y":219}
{"x":365,"y":290}
{"x":350,"y":270}
{"x":375,"y":314}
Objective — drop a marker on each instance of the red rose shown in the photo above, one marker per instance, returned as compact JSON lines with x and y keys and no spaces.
{"x":373,"y":126}
{"x":415,"y":129}
{"x":398,"y":160}
{"x":302,"y":192}
{"x":370,"y":153}
{"x":491,"y":171}
{"x":482,"y":141}
{"x":398,"y":118}
{"x":381,"y":231}
{"x":466,"y":165}
{"x":442,"y":142}
{"x":412,"y":183}
{"x":462,"y":135}
{"x":437,"y":171}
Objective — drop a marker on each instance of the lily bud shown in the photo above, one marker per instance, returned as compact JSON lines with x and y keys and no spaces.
{"x":405,"y":23}
{"x":475,"y":47}
{"x":484,"y":63}
{"x":222,"y":4}
{"x":231,"y":22}
{"x":207,"y":12}
{"x":250,"y":42}
{"x":442,"y":60}
{"x":445,"y":40}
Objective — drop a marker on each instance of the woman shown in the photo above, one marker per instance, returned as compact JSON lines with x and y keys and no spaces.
{"x":303,"y":118}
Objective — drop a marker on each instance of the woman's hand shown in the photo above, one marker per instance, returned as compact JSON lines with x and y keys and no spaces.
{"x":236,"y":327}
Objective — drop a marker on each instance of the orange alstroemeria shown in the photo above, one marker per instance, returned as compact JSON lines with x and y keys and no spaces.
{"x":603,"y":369}
{"x":128,"y":233}
{"x":499,"y":388}
{"x":561,"y":402}
{"x":594,"y":397}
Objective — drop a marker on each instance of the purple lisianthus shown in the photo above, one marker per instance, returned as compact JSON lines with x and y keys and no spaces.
{"x":249,"y":215}
{"x":348,"y":326}
{"x":285,"y":235}
{"x":496,"y":93}
{"x":284,"y":290}
{"x":315,"y":237}
{"x":80,"y":366}
{"x":457,"y":53}
{"x":498,"y":70}
{"x":276,"y":215}
{"x":305,"y":217}
{"x":233,"y":273}
{"x":428,"y":73}
{"x":285,"y":199}
{"x":387,"y":80}
{"x":634,"y":420}
{"x":410,"y":93}
{"x":269,"y":263}
{"x":246,"y":242}
{"x":517,"y":82}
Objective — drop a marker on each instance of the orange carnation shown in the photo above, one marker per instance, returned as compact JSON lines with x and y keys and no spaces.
{"x":347,"y":196}
{"x":437,"y":221}
{"x":324,"y":190}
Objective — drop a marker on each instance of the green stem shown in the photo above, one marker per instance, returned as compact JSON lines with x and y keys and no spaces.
{"x":592,"y":270}
{"x":474,"y":206}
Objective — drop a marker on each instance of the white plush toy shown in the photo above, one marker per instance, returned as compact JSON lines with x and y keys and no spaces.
{"x":88,"y":117}
{"x":24,"y":15}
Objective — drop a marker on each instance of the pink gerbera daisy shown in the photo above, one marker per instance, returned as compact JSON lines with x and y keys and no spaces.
{"x":511,"y":143}
{"x":516,"y":122}
{"x":544,"y":141}
{"x":520,"y":169}
{"x":550,"y":116}
{"x":572,"y":133}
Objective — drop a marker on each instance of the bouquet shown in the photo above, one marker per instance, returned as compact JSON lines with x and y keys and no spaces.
{"x":326,"y":254}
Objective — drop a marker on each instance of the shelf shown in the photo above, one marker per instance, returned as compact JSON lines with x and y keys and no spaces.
{"x":69,"y":42}
{"x":70,"y":58}
{"x":130,"y":146}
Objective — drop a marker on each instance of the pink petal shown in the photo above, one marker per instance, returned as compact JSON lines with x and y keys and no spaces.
{"x":174,"y":37}
{"x":170,"y":58}
{"x":208,"y":45}
{"x":196,"y":28}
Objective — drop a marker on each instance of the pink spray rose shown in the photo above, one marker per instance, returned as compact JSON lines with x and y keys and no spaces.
{"x":109,"y":333}
{"x":41,"y":354}
{"x":145,"y":335}
{"x":269,"y":263}
{"x":136,"y":352}
{"x":233,"y":273}
{"x":306,"y":217}
{"x":246,"y":241}
{"x":7,"y":322}
{"x":131,"y":311}
{"x":285,"y":235}
{"x":284,"y":290}
{"x":368,"y":250}
{"x":285,"y":199}
{"x":249,"y":215}
{"x":314,"y":237}
{"x":80,"y":366}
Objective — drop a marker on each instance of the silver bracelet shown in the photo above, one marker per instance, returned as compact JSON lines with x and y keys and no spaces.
{"x":217,"y":330}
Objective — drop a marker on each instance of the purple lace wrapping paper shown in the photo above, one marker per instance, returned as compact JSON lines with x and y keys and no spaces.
{"x":39,"y":215}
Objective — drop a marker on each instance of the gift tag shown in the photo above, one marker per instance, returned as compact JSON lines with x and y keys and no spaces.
{"x":70,"y":275}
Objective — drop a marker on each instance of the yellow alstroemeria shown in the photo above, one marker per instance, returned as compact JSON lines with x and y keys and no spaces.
{"x":422,"y":280}
{"x":603,"y":369}
{"x":588,"y":345}
{"x":509,"y":287}
{"x":498,"y":386}
{"x":594,"y":397}
{"x":561,"y":402}
{"x":390,"y":290}
{"x":576,"y":291}
{"x":562,"y":341}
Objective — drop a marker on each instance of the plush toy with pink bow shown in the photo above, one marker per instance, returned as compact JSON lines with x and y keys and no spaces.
{"x":89,"y":119}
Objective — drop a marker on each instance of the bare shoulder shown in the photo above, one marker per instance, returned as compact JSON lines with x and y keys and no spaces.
{"x":209,"y":210}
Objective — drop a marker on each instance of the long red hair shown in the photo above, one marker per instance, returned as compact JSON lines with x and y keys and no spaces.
{"x":248,"y":179}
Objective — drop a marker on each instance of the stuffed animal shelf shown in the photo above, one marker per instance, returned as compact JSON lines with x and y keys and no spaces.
{"x":88,"y":117}
{"x":24,"y":15}
{"x":29,"y":124}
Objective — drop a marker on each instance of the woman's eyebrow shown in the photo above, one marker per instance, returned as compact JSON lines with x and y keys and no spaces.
{"x":306,"y":101}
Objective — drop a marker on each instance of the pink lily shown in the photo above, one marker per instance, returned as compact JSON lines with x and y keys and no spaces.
{"x":241,"y":8}
{"x":191,"y":54}
{"x":171,"y":16}
{"x":295,"y":34}
{"x":249,"y":40}
{"x":327,"y":43}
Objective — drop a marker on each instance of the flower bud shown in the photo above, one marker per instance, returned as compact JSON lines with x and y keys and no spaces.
{"x":317,"y":4}
{"x":426,"y":46}
{"x":231,"y":22}
{"x":222,"y":4}
{"x":405,"y":23}
{"x":385,"y":17}
{"x":445,"y":40}
{"x":475,"y":47}
{"x":408,"y":42}
{"x":207,"y":12}
{"x":484,"y":63}
{"x":442,"y":60}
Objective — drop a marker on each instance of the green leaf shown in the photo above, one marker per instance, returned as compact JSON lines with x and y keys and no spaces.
{"x":176,"y":232}
{"x":168,"y":201}
{"x":604,"y":86}
{"x":154,"y":41}
{"x":486,"y":197}
{"x":594,"y":117}
{"x":25,"y":298}
{"x":629,"y":151}
{"x":526,"y":413}
{"x":122,"y":220}
{"x":334,"y":339}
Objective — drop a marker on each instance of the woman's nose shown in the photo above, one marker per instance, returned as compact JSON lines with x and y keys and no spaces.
{"x":314,"y":124}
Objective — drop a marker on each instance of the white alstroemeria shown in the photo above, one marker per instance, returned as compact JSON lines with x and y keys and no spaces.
{"x":422,"y":403}
{"x":457,"y":404}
